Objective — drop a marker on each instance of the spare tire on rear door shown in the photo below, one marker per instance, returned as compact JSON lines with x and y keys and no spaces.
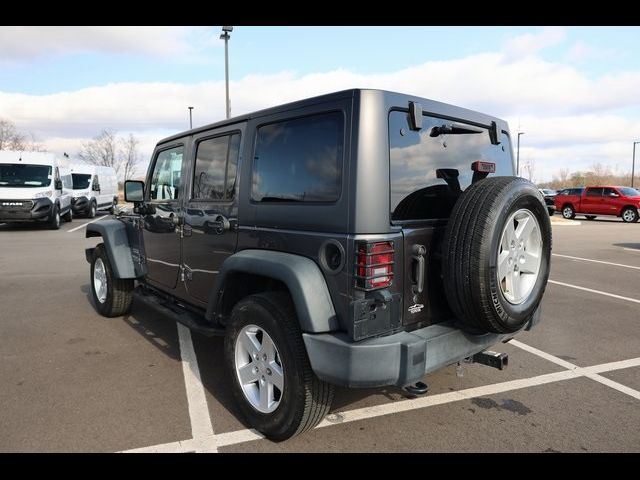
{"x":497,"y":248}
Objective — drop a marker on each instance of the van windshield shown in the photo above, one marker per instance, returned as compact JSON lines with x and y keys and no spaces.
{"x":81,"y":181}
{"x":21,"y":175}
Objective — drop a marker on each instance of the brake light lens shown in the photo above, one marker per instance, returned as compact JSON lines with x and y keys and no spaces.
{"x":374,"y":265}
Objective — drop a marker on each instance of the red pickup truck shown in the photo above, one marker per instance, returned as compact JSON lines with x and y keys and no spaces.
{"x":593,"y":201}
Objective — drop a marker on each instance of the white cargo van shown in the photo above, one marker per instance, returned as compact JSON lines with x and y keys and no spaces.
{"x":34,"y":187}
{"x":94,"y":188}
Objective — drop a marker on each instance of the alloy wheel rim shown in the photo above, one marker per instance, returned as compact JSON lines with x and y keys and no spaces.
{"x":629,"y":215}
{"x":519,"y":256}
{"x":100,"y":280}
{"x":567,"y":212}
{"x":259,"y":369}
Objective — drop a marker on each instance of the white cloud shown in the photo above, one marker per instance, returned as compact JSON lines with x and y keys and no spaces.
{"x":531,"y":43}
{"x":570,"y":119}
{"x":581,"y":52}
{"x":27,"y":43}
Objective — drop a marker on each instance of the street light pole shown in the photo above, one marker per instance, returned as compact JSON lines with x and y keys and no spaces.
{"x":518,"y":155}
{"x":225,"y":36}
{"x":190,"y":117}
{"x":633,"y":163}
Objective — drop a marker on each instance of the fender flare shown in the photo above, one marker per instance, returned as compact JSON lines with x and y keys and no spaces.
{"x":116,"y":242}
{"x":301,"y":275}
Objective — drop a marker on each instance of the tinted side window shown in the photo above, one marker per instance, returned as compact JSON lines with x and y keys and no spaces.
{"x":609,"y":191}
{"x":299,"y":160}
{"x":215,"y":170}
{"x":594,"y":192}
{"x":165,"y":179}
{"x":428,"y":173}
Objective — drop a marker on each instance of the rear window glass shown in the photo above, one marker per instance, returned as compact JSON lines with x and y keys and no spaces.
{"x":299,"y":160}
{"x":428,"y":173}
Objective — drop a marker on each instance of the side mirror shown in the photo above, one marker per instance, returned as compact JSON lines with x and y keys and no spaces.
{"x":134,"y":191}
{"x":96,"y":187}
{"x":57,"y":184}
{"x":614,"y":195}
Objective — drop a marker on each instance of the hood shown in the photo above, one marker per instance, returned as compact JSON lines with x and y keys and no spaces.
{"x":11,"y":193}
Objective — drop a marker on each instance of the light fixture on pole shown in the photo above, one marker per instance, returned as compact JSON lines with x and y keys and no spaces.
{"x":518,"y":155}
{"x":225,"y":36}
{"x":633,"y":163}
{"x":190,"y":117}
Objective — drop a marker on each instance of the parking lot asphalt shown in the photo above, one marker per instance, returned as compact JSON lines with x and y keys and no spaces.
{"x":75,"y":381}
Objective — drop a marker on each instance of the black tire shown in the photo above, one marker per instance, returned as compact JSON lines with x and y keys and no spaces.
{"x":119,"y":292}
{"x":54,"y":218}
{"x":68,"y":217}
{"x":471,"y":247}
{"x":568,"y":212}
{"x":629,"y":215}
{"x":93,"y":210}
{"x":551,"y":211}
{"x":305,"y":399}
{"x":590,"y":217}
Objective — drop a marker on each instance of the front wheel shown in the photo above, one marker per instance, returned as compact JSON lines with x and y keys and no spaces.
{"x":568,"y":212}
{"x":54,"y":219}
{"x":630,"y":215}
{"x":93,"y":210}
{"x":111,"y":296}
{"x":272,"y":380}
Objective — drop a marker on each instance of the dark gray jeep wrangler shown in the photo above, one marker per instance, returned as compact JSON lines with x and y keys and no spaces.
{"x":362,"y":238}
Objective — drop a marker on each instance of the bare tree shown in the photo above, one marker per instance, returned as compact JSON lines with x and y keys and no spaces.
{"x":530,"y":168}
{"x":12,"y":139}
{"x":101,"y":150}
{"x":129,"y":155}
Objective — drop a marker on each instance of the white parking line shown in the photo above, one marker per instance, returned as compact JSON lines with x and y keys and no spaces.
{"x":337,"y":418}
{"x":613,"y":295}
{"x":201,"y":427}
{"x":588,"y":372}
{"x":87,"y":223}
{"x":595,"y":261}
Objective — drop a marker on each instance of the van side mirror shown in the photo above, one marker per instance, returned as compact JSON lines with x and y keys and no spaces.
{"x":134,"y":191}
{"x":57,"y":184}
{"x":96,"y":187}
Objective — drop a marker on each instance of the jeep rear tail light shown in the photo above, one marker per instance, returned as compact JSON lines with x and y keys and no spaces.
{"x":374,"y":265}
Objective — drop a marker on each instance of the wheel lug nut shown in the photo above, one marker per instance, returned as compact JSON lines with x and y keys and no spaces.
{"x":268,"y":371}
{"x":264,"y":357}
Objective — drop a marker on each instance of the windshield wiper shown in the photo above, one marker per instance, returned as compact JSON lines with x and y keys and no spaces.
{"x":452,"y":130}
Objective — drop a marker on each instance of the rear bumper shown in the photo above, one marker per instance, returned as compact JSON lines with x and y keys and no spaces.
{"x":28,"y":211}
{"x":400,"y":359}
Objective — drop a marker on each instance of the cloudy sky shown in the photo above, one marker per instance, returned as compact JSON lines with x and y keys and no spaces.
{"x":574,"y":91}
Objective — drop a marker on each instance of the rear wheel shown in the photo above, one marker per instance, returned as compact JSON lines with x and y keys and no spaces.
{"x":590,"y":217}
{"x":630,"y":215}
{"x":497,"y":248}
{"x":568,"y":212}
{"x":272,"y":380}
{"x":111,"y":296}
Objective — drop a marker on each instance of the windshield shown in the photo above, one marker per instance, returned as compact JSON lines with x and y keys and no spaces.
{"x":629,"y":192}
{"x":21,"y":175}
{"x":81,"y":180}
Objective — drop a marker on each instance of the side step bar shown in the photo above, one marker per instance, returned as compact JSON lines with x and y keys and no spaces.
{"x":179,"y":314}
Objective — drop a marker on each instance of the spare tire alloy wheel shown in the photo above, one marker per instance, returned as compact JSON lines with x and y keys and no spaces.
{"x":519,"y":256}
{"x":497,"y":249}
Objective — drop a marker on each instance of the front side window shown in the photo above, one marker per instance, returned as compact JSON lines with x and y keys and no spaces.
{"x":165,"y":178}
{"x":594,"y":192}
{"x":299,"y":160}
{"x":431,"y":167}
{"x":609,"y":191}
{"x":215,"y":169}
{"x":21,"y":175}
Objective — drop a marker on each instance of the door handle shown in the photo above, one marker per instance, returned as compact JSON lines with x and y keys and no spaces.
{"x":418,"y":267}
